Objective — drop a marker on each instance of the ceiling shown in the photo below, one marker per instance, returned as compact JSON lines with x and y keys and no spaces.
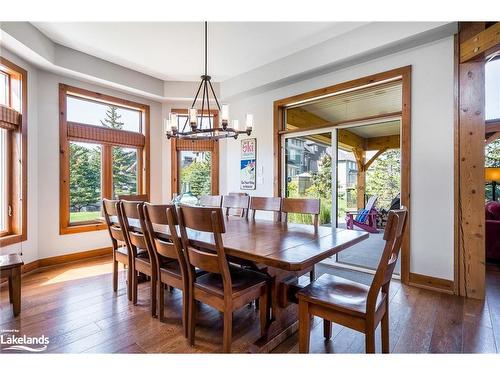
{"x":381,"y":129}
{"x":173,"y":51}
{"x":376,"y":100}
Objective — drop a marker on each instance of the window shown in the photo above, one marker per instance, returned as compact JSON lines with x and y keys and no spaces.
{"x":195,"y":165}
{"x":492,"y":89}
{"x":13,"y":153}
{"x":104,"y":148}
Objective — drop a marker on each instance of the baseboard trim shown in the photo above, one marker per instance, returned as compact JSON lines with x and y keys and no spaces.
{"x":432,"y":283}
{"x":66,"y":258}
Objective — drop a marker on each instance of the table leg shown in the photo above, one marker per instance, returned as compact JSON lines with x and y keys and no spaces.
{"x":284,"y":322}
{"x":10,"y":288}
{"x":15,"y":281}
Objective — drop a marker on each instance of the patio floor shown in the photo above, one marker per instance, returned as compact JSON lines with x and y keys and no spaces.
{"x":365,"y":254}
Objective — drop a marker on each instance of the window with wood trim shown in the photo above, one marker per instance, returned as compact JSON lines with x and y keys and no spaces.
{"x":104,"y":144}
{"x":195,"y":164}
{"x":13,"y":153}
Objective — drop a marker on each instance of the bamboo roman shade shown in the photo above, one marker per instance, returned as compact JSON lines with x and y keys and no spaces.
{"x":10,"y":119}
{"x":198,"y":145}
{"x":100,"y":134}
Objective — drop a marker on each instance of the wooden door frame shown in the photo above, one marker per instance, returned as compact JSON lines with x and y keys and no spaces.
{"x":211,"y":146}
{"x":474,"y":42}
{"x":403,"y":74}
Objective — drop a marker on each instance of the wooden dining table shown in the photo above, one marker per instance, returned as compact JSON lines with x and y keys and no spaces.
{"x":284,"y":251}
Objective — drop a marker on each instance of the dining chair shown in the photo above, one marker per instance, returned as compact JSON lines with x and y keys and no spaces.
{"x":141,"y":259}
{"x":170,"y":261}
{"x":239,"y":203}
{"x":351,"y":304}
{"x":224,"y":287}
{"x":211,"y":200}
{"x":134,"y":197}
{"x":304,"y":206}
{"x":272,"y":204}
{"x":120,"y":252}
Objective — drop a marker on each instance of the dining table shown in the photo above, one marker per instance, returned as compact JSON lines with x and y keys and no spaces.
{"x":285,"y":252}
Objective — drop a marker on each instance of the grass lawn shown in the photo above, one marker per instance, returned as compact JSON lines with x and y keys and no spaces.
{"x":84,"y":216}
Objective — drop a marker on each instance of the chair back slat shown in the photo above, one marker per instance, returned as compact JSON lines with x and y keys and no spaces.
{"x":204,"y":219}
{"x":237,"y":202}
{"x":135,"y":239}
{"x":301,"y":206}
{"x":211,"y":200}
{"x":110,"y":210}
{"x":393,"y":236}
{"x":160,"y":246}
{"x":134,"y":197}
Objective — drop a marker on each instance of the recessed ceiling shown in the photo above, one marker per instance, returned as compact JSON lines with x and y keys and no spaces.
{"x":174,"y":50}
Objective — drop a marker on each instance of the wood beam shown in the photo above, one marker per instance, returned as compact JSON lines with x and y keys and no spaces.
{"x":491,"y":138}
{"x":374,"y":157}
{"x":360,"y":156}
{"x":349,"y":139}
{"x":388,"y":142}
{"x":303,"y":119}
{"x":470,"y":143}
{"x":492,"y":126}
{"x":476,"y":45}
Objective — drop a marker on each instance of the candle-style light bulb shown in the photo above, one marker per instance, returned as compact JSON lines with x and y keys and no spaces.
{"x":193,"y":117}
{"x":249,"y":123}
{"x":236,"y":125}
{"x":173,"y":121}
{"x":224,"y":115}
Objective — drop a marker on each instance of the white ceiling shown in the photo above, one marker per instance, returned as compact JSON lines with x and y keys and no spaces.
{"x":173,"y":51}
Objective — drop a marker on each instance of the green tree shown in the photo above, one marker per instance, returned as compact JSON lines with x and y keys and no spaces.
{"x":85,"y":176}
{"x":124,"y":159}
{"x":383,"y":178}
{"x":195,"y":178}
{"x":492,"y":159}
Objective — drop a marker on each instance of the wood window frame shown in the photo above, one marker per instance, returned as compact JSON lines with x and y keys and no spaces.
{"x":177,"y":146}
{"x":403,"y":74}
{"x":143,"y":168}
{"x":17,"y":151}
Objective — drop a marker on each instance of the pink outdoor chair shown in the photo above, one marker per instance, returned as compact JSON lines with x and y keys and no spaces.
{"x":365,"y":219}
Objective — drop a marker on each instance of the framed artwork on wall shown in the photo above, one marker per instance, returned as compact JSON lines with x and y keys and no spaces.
{"x":248,"y":164}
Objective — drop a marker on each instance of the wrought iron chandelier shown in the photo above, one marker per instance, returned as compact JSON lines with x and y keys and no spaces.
{"x":203,"y":130}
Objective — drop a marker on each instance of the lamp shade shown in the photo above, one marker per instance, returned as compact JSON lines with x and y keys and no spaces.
{"x":492,"y":174}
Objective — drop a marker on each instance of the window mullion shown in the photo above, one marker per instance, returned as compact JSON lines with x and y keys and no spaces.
{"x":107,"y":172}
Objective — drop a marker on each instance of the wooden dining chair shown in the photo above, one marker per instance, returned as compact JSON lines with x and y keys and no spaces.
{"x":272,"y":204}
{"x":211,"y":200}
{"x":141,"y":259}
{"x":304,"y":206}
{"x":224,"y":287}
{"x":354,"y":305}
{"x":170,"y":261}
{"x":120,"y":251}
{"x":239,"y":203}
{"x":134,"y":197}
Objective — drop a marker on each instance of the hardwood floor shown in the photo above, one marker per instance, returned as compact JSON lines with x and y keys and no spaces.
{"x":74,"y":305}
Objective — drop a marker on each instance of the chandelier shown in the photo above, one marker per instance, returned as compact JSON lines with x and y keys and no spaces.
{"x":194,"y":127}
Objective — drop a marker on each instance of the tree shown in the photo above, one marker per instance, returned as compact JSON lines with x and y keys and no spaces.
{"x":492,"y":159}
{"x":383,"y":178}
{"x":85,"y":176}
{"x":196,"y":176}
{"x":124,"y":159}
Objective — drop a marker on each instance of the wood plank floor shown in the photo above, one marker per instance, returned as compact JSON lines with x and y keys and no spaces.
{"x":74,"y":306}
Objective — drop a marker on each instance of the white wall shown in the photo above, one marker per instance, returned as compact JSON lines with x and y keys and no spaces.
{"x":431,"y":141}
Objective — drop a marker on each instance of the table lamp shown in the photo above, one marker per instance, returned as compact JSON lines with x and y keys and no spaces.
{"x":492,"y":175}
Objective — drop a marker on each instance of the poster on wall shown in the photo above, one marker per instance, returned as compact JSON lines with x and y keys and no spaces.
{"x":248,"y":164}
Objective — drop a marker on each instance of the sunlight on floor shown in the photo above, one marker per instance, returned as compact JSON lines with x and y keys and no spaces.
{"x":81,"y":273}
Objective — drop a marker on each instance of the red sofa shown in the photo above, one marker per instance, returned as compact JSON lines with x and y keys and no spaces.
{"x":493,"y":231}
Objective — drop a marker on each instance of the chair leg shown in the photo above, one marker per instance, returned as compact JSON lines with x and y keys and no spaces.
{"x":161,"y":301}
{"x":304,"y":327}
{"x":385,"y":332}
{"x":370,"y":340}
{"x":312,"y":274}
{"x":191,"y":317}
{"x":263,"y":313}
{"x":327,"y":329}
{"x":130,"y":282}
{"x":15,"y":281}
{"x":154,"y":312}
{"x":185,"y":311}
{"x":227,"y":337}
{"x":135,"y":281}
{"x":115,"y":275}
